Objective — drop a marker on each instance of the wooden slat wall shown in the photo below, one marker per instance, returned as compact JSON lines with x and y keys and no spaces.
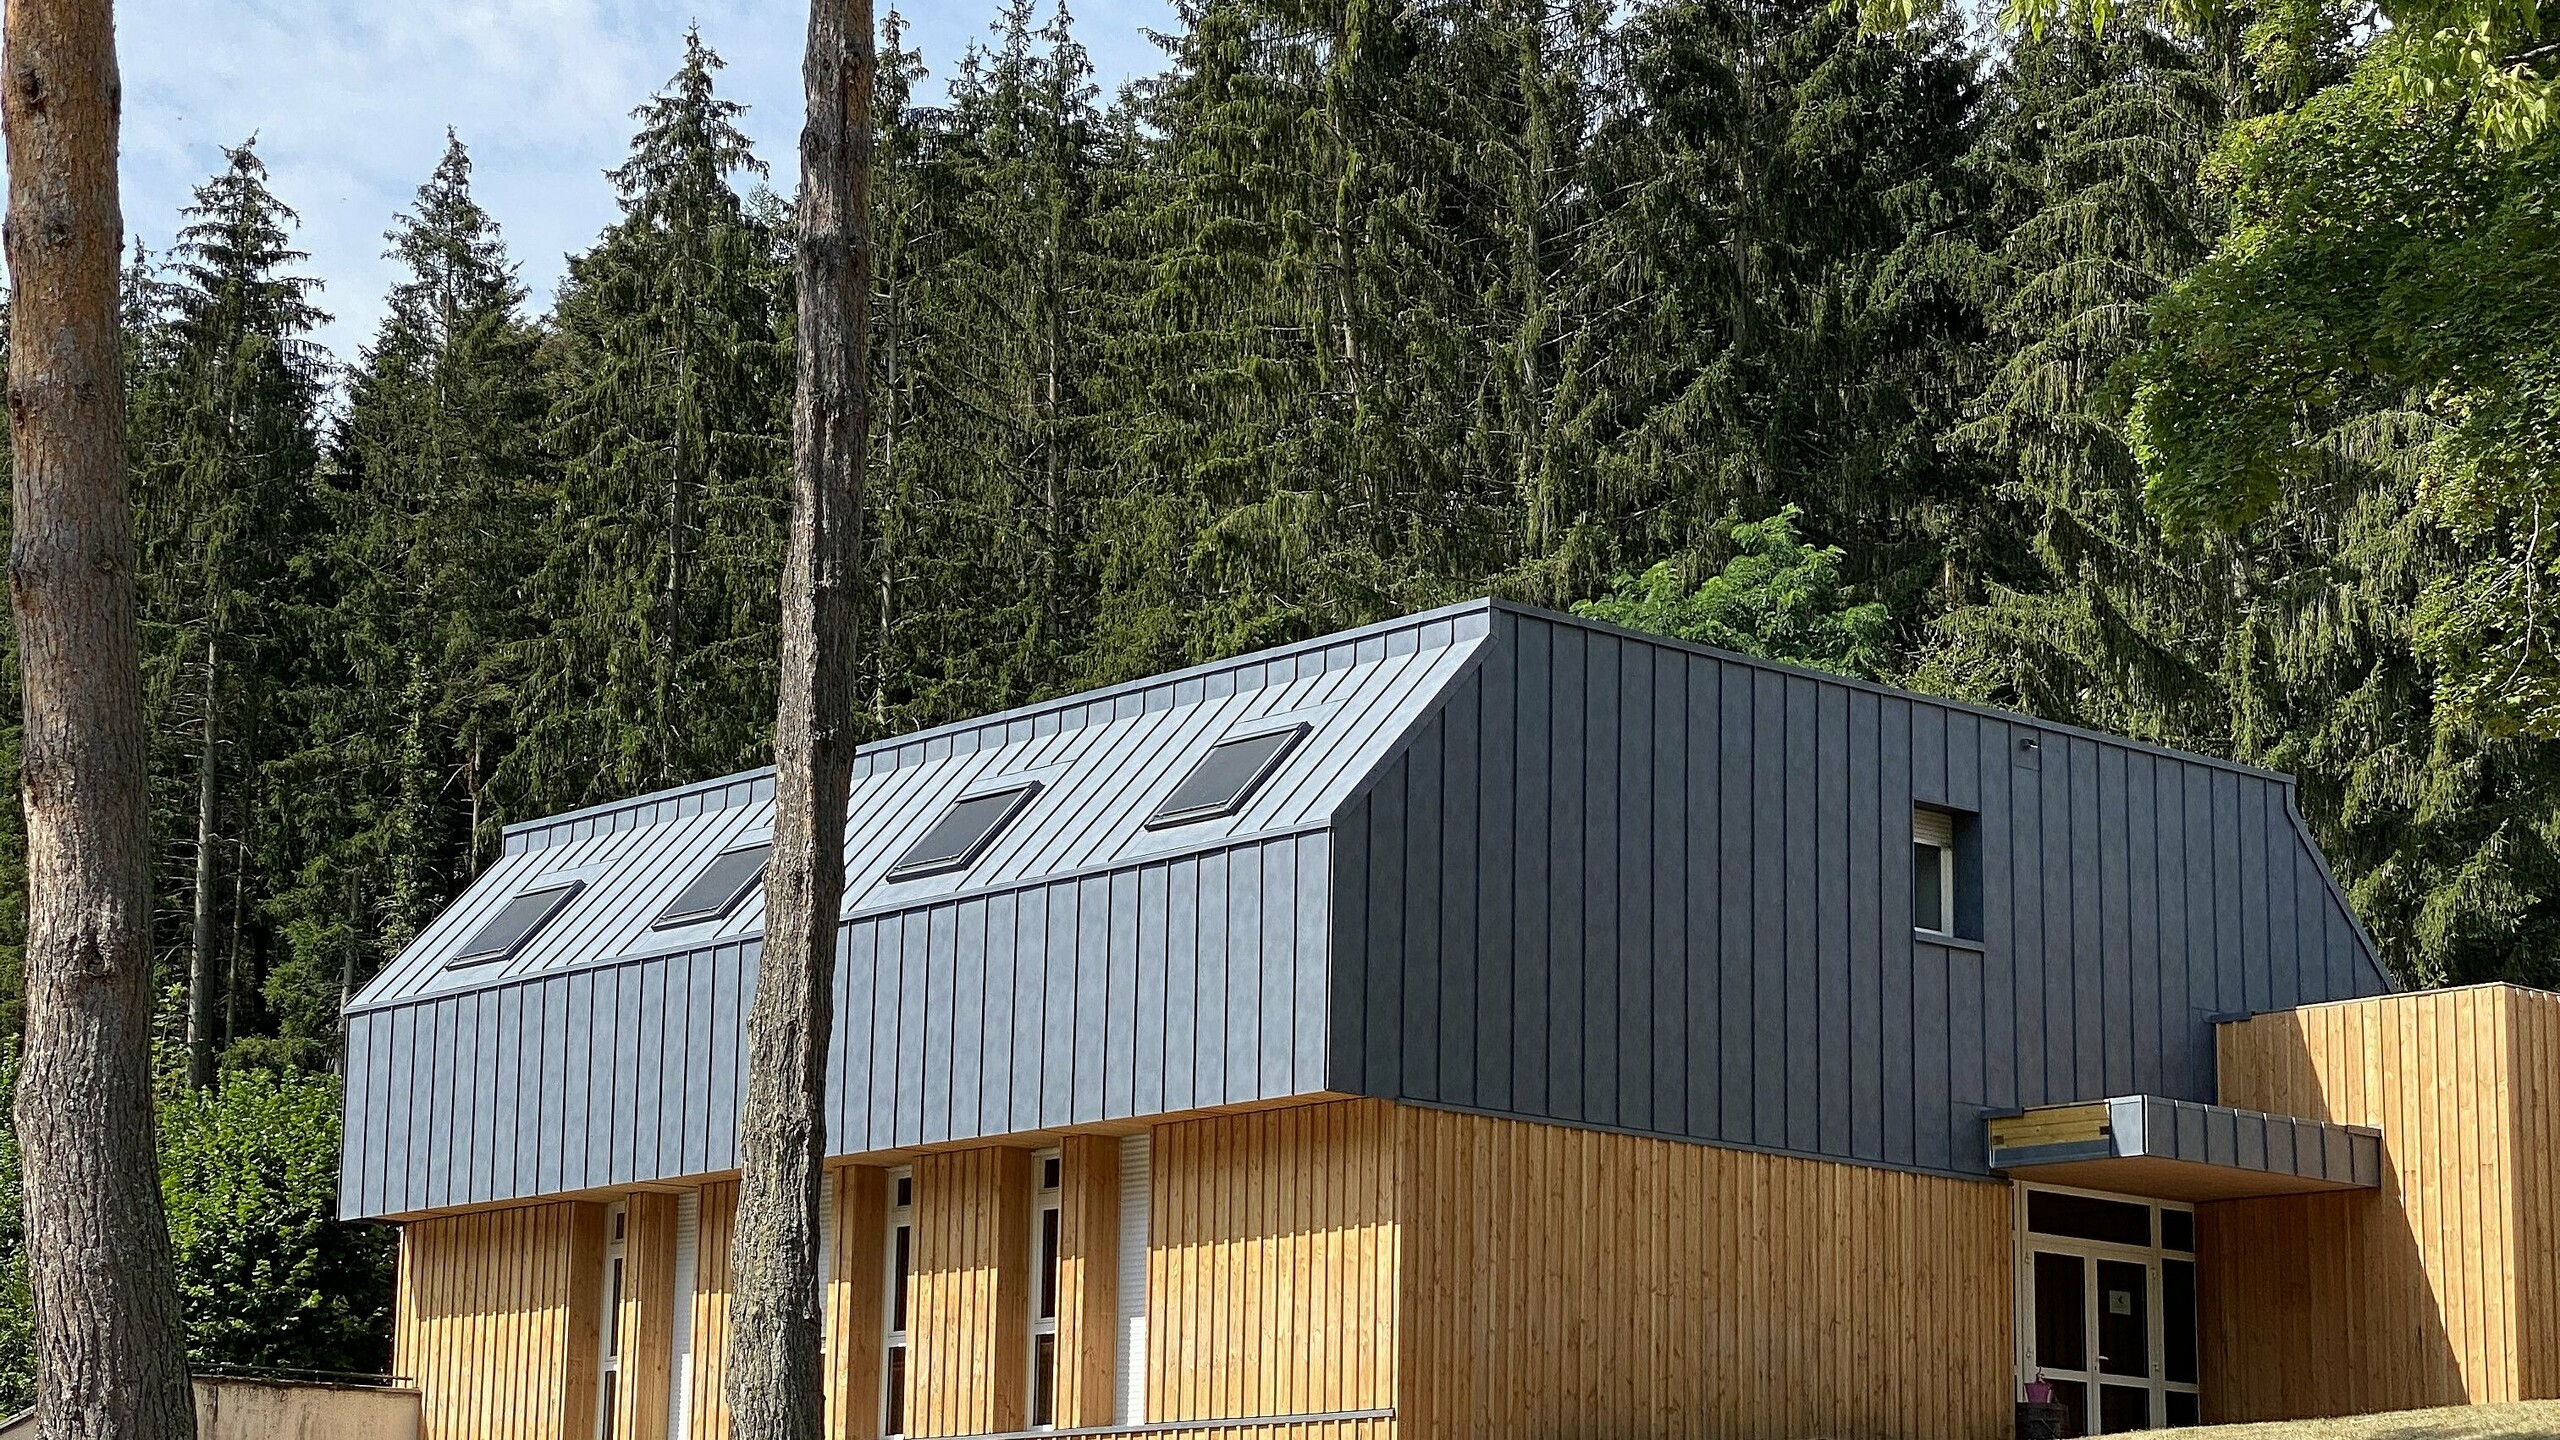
{"x":648,"y":1317}
{"x":2534,"y":1086}
{"x":2437,"y":1290}
{"x":1566,"y":1283}
{"x":1088,"y":1272}
{"x":1272,"y":1263}
{"x":498,"y":1320}
{"x":969,"y":1319}
{"x":708,"y":1406}
{"x":856,"y":1290}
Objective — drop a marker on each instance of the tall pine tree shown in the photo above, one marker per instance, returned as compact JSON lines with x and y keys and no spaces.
{"x":668,"y":368}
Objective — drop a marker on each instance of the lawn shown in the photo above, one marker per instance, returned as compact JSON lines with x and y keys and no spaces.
{"x":2470,"y":1422}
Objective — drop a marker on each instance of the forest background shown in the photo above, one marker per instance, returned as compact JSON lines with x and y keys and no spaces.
{"x":2198,"y":381}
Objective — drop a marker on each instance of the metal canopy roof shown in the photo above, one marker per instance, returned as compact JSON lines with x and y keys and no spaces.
{"x":2182,"y":1150}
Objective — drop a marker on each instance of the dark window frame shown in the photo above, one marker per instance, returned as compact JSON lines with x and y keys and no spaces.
{"x":671,"y":918}
{"x":908,"y":867}
{"x":561,"y":895}
{"x":1165,"y":818}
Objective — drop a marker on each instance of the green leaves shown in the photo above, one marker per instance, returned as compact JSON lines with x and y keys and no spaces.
{"x":1776,"y":598}
{"x":267,"y":1273}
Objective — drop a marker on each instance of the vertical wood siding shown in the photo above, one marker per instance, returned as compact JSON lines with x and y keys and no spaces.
{"x":498,"y":1321}
{"x":649,"y":1303}
{"x":1561,"y":1283}
{"x":708,"y":1406}
{"x":1088,"y":1266}
{"x":2534,"y":1090}
{"x":1272,"y":1262}
{"x":856,"y":1291}
{"x":969,"y":1321}
{"x":1617,"y":883}
{"x":2440,"y":1288}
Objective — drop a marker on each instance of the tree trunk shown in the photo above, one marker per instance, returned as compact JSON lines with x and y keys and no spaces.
{"x":200,"y":952}
{"x":110,"y":1356}
{"x":775,"y":1386}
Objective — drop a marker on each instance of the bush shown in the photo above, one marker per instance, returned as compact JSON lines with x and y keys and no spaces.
{"x":267,"y":1273}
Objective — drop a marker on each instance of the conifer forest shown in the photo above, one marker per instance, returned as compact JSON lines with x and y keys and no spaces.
{"x":2191,"y":379}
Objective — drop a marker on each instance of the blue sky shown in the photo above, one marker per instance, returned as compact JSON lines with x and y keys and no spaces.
{"x":350,"y":100}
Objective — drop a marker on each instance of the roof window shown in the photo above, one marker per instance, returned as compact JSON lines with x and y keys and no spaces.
{"x":1229,"y":773}
{"x":515,"y":923}
{"x":963,"y":833}
{"x":717,"y":890}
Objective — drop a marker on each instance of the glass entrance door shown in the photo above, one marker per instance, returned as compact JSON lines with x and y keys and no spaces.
{"x":2107,"y":1309}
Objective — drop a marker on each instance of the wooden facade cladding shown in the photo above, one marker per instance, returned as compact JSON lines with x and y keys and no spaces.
{"x":857,"y":1290}
{"x":1560,"y":1283}
{"x":969,"y":1322}
{"x":2443,"y":1288}
{"x":1088,"y":1276}
{"x":1271,"y":1263}
{"x":707,"y":1407}
{"x":648,"y":1319}
{"x":498,"y":1321}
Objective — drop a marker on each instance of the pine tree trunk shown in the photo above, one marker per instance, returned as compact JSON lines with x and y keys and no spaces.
{"x":775,"y":1385}
{"x":200,"y":953}
{"x":110,"y":1356}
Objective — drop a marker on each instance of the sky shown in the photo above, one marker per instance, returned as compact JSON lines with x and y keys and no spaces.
{"x":349,"y":100}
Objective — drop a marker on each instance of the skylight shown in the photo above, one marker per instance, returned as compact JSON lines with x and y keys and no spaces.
{"x":1230,"y":772}
{"x":963,"y":833}
{"x":515,"y":923}
{"x":718,"y":889}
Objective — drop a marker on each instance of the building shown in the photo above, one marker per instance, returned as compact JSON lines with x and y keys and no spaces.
{"x":1482,"y":1024}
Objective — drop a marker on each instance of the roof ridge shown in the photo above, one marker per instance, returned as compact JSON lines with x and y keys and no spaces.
{"x":748,"y":782}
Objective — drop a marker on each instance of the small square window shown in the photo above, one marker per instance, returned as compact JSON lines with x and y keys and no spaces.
{"x":963,"y":833}
{"x":1226,"y":777}
{"x":516,"y":923}
{"x":717,"y":890}
{"x":1933,"y":872}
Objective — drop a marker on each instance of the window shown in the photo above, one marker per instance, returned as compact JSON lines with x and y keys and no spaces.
{"x":901,"y":1241}
{"x":607,"y":1423}
{"x":1044,"y":1295}
{"x":515,"y":923}
{"x":1129,"y":1348}
{"x":718,"y":889}
{"x":963,"y":833}
{"x":1231,"y":771}
{"x":1933,"y":872}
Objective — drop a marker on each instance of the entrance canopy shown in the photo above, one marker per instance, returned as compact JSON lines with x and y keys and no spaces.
{"x":2180,"y":1150}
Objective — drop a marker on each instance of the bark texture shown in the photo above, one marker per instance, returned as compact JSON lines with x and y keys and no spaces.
{"x":776,"y":1390}
{"x":110,"y":1354}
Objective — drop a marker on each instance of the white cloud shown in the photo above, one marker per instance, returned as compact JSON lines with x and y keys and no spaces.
{"x":350,"y":102}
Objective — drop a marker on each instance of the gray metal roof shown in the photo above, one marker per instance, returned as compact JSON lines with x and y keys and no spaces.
{"x":1523,"y":864}
{"x":1104,"y":761}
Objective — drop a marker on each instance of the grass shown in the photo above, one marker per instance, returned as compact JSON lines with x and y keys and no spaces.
{"x":2536,"y":1421}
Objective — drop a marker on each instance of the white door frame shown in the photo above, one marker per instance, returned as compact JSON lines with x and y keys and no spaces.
{"x":2022,"y":1269}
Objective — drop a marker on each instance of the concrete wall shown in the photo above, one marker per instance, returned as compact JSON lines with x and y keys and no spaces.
{"x":230,"y":1409}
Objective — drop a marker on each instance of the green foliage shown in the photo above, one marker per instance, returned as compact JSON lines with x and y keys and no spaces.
{"x":1777,"y":598}
{"x":17,"y":1295}
{"x":653,"y":655}
{"x":267,"y":1273}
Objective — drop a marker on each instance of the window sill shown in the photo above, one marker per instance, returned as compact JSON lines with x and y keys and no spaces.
{"x":1947,"y":942}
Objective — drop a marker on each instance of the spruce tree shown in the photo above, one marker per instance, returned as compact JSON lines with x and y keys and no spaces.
{"x":668,"y":369}
{"x":435,"y":471}
{"x":226,"y":426}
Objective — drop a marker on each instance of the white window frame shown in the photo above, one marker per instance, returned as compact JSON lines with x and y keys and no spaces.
{"x":1046,"y":1216}
{"x":1937,"y":829}
{"x":2022,"y":1268}
{"x":894,"y":1377}
{"x":617,"y":1223}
